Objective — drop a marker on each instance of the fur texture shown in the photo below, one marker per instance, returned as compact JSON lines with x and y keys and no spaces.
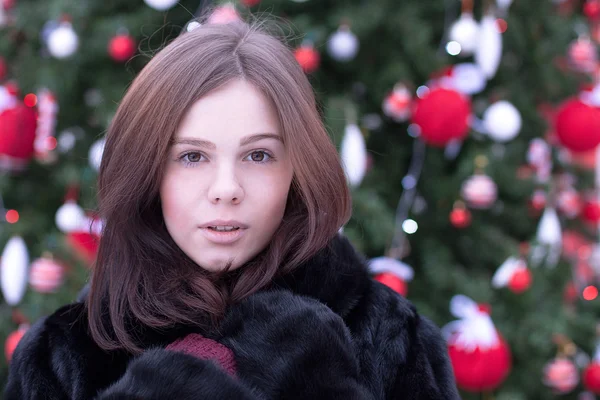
{"x":325,"y":331}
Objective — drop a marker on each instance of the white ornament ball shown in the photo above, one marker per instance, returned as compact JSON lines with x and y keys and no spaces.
{"x":13,"y":270}
{"x":70,"y":217}
{"x":468,"y":78}
{"x":479,"y":191}
{"x":343,"y":45}
{"x":502,"y":121}
{"x":63,"y":41}
{"x":161,"y":5}
{"x":95,"y":153}
{"x":46,"y":275}
{"x":465,"y":31}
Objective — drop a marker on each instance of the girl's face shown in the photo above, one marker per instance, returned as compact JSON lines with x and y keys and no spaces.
{"x":227,"y":178}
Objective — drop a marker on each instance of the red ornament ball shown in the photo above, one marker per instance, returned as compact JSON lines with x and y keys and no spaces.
{"x":308,"y":58}
{"x":442,"y":115}
{"x":392,"y":281}
{"x":121,"y":47}
{"x":520,"y":281}
{"x":577,"y":125}
{"x":591,"y":377}
{"x":250,"y":3}
{"x":84,"y":244}
{"x":480,"y":370}
{"x":591,"y":211}
{"x":17,"y":135}
{"x":591,"y":9}
{"x":12,"y":341}
{"x":460,"y":217}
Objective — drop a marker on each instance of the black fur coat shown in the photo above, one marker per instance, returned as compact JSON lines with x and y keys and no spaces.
{"x":326,"y":331}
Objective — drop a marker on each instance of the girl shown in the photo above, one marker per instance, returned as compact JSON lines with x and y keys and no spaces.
{"x":221,"y":273}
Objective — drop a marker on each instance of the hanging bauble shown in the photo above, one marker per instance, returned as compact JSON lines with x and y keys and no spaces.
{"x":13,"y":270}
{"x":538,"y":200}
{"x":520,"y":281}
{"x":354,"y":154}
{"x":63,"y":41}
{"x":343,"y":44}
{"x":514,"y":274}
{"x":442,"y":115}
{"x":502,"y":121}
{"x":489,"y":46}
{"x":3,"y":69}
{"x":13,"y":340}
{"x":70,"y":217}
{"x":161,"y":5}
{"x":582,"y":55}
{"x":591,"y":375}
{"x":121,"y":47}
{"x":467,"y":78}
{"x":46,"y":275}
{"x":398,"y":104}
{"x":224,"y":14}
{"x":561,"y":375}
{"x":577,"y":125}
{"x":590,"y":211}
{"x":591,"y":9}
{"x":480,"y":356}
{"x":95,"y":153}
{"x":308,"y":58}
{"x":17,"y":136}
{"x":465,"y":31}
{"x":392,"y":273}
{"x":85,"y":240}
{"x":479,"y":191}
{"x":569,"y":202}
{"x":460,"y":216}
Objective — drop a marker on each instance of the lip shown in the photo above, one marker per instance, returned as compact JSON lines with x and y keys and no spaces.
{"x":223,"y":237}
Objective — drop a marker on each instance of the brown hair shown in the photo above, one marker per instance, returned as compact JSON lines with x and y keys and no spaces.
{"x":140,"y":273}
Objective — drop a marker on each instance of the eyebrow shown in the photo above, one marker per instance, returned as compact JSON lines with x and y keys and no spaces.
{"x":243,"y":142}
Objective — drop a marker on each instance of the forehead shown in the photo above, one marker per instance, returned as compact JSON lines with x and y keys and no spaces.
{"x":236,"y":108}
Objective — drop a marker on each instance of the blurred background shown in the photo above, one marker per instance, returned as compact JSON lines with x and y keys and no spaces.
{"x":469,"y":132}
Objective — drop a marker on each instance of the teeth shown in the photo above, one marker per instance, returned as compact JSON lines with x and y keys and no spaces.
{"x":224,"y":228}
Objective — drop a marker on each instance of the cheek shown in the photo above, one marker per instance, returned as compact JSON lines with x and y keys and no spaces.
{"x":175,"y":198}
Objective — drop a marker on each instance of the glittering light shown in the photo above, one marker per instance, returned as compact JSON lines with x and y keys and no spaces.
{"x":453,"y":48}
{"x":410,"y":226}
{"x":590,"y":293}
{"x":422,"y":91}
{"x":502,"y":25}
{"x":51,"y":143}
{"x":12,"y":216}
{"x":30,"y":100}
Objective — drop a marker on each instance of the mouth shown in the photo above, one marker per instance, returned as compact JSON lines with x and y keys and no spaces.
{"x":223,"y":228}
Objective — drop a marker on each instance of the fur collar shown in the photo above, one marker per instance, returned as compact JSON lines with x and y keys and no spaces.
{"x":336,"y":276}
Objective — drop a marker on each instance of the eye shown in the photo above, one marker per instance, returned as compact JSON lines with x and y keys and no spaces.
{"x":260,"y":156}
{"x":191,"y":158}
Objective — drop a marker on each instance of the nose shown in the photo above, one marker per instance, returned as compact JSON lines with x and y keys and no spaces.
{"x":225,"y":187}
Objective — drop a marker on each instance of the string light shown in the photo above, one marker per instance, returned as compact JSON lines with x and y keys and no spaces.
{"x":12,"y":216}
{"x":590,"y":293}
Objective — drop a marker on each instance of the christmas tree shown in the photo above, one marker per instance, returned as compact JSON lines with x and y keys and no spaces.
{"x":466,"y":128}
